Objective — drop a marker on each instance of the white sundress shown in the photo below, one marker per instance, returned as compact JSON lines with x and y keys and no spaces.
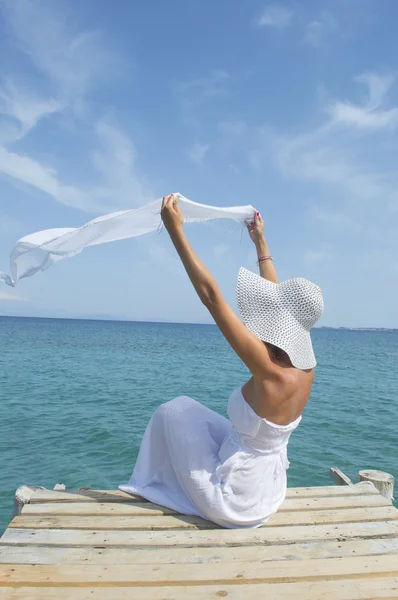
{"x":193,"y":460}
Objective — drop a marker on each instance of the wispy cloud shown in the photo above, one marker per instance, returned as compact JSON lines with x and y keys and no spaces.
{"x":44,"y":179}
{"x":198,"y":91}
{"x":21,"y":110}
{"x":352,"y":164}
{"x":378,"y":87}
{"x":198,"y":152}
{"x":232,"y":129}
{"x":70,"y":63}
{"x":321,"y":156}
{"x":277,"y":16}
{"x":333,"y":218}
{"x":336,"y":154}
{"x":114,"y":161}
{"x":6,"y":297}
{"x":370,"y":115}
{"x":71,"y":59}
{"x":318,"y":31}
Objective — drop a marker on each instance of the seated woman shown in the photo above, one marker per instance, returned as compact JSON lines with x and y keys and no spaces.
{"x":233,"y":472}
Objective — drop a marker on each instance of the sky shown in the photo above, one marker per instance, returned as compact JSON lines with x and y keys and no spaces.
{"x":291,"y":107}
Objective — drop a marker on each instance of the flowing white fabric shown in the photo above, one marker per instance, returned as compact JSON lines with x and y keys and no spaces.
{"x":231,"y":472}
{"x":38,"y":251}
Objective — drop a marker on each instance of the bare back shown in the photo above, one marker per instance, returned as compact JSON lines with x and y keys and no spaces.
{"x":282,"y":398}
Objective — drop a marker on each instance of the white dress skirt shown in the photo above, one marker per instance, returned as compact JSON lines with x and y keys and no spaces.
{"x":193,"y":460}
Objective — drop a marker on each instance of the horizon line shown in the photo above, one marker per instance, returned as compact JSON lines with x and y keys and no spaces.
{"x":166,"y":322}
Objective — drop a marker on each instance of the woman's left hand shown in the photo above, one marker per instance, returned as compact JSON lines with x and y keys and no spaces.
{"x":171,"y":214}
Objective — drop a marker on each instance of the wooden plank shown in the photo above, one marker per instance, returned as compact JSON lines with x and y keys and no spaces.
{"x":333,"y":490}
{"x":111,"y":509}
{"x":342,"y":589}
{"x":146,"y":508}
{"x":133,"y":523}
{"x":122,"y":556}
{"x":339,"y":477}
{"x":220,"y":537}
{"x":84,"y":495}
{"x":140,"y":523}
{"x":119,"y":496}
{"x":209,"y":574}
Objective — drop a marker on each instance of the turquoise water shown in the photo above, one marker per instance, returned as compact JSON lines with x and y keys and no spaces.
{"x":75,"y":397}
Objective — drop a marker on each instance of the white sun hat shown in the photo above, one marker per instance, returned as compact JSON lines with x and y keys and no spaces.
{"x":281,"y":314}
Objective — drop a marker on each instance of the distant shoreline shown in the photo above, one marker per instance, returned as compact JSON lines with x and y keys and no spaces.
{"x":358,"y":328}
{"x":103,"y":319}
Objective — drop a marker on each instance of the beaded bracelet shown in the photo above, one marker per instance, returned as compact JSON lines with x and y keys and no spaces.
{"x":263,"y":258}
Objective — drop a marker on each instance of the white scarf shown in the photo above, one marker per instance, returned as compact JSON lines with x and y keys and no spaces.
{"x":38,"y":251}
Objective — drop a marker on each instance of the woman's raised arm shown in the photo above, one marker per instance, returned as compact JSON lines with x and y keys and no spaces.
{"x":265,"y":264}
{"x":251,"y":350}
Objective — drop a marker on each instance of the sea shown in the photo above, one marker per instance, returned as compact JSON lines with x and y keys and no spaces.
{"x":76,"y":395}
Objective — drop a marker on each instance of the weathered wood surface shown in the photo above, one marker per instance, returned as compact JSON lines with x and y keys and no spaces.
{"x":339,"y":477}
{"x":89,"y":495}
{"x":383,"y":482}
{"x":201,"y":538}
{"x":343,"y":589}
{"x":110,"y":509}
{"x":220,"y":574}
{"x":108,"y":555}
{"x":178,"y":522}
{"x":331,"y":543}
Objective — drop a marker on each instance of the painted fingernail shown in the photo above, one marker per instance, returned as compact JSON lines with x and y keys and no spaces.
{"x":258,"y":214}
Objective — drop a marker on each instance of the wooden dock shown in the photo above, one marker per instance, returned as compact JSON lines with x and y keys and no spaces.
{"x":338,"y":542}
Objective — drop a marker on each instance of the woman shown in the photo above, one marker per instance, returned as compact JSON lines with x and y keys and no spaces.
{"x":233,"y":472}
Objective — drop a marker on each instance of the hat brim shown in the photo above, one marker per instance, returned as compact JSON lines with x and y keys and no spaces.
{"x":263,"y":312}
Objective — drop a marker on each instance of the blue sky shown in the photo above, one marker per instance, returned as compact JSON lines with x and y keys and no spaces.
{"x":290,"y":106}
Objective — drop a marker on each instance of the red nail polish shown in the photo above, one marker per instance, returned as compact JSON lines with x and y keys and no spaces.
{"x":258,"y":214}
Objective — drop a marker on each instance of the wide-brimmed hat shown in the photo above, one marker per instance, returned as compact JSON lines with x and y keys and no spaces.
{"x":281,"y":314}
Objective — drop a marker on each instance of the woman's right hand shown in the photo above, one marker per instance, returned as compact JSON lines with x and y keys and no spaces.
{"x":256,"y":229}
